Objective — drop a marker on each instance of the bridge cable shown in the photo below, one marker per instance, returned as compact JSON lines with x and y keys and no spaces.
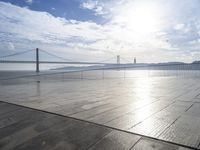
{"x":72,"y":60}
{"x":66,"y":59}
{"x":18,"y":53}
{"x":104,"y":60}
{"x":128,"y":61}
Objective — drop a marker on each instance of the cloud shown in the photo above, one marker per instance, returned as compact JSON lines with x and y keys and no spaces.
{"x":11,"y":46}
{"x":90,"y":4}
{"x":29,"y":2}
{"x":150,"y":32}
{"x":95,"y":6}
{"x":45,"y":30}
{"x":179,"y":26}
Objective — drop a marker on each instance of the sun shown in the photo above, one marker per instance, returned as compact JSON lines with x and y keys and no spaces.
{"x":143,"y":18}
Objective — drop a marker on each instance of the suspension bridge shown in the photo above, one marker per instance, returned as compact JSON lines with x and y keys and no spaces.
{"x":61,"y":60}
{"x":113,"y":62}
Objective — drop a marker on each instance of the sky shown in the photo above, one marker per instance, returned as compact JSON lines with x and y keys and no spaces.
{"x":95,"y":30}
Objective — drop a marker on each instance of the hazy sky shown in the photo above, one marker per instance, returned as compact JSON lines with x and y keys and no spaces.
{"x":151,"y":30}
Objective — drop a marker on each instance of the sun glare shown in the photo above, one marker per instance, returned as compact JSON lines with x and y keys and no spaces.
{"x":142,"y":18}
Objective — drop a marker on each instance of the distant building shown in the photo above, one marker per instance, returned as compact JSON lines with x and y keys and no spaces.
{"x":135,"y":61}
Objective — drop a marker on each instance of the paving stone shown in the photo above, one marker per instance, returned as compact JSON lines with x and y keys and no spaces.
{"x":185,"y":131}
{"x":116,"y":140}
{"x":119,"y":103}
{"x":151,"y":127}
{"x":148,"y":144}
{"x":194,"y":110}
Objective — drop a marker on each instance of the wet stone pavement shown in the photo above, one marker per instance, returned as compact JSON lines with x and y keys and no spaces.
{"x":28,"y":129}
{"x":165,"y":108}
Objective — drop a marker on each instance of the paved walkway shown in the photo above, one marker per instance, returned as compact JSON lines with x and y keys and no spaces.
{"x":28,"y":129}
{"x":165,"y":108}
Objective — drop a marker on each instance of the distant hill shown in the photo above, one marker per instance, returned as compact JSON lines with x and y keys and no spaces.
{"x":139,"y":66}
{"x":196,"y":62}
{"x":172,"y":63}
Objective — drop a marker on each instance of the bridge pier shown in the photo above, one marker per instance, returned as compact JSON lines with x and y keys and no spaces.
{"x":37,"y":60}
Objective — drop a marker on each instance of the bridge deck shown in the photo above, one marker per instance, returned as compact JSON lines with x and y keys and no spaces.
{"x":165,"y":108}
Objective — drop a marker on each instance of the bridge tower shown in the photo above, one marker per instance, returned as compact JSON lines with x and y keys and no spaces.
{"x":118,"y":59}
{"x":135,"y":61}
{"x":37,"y":60}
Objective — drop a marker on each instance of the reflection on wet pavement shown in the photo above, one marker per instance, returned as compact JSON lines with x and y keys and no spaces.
{"x":167,"y":108}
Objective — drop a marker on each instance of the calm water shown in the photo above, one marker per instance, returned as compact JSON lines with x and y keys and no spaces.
{"x":29,"y":67}
{"x":99,"y":74}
